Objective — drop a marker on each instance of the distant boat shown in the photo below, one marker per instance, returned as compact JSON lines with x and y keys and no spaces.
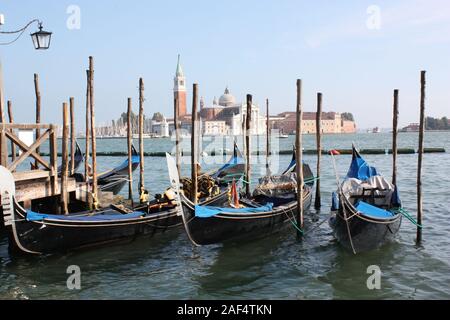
{"x":374,"y":130}
{"x":283,"y":136}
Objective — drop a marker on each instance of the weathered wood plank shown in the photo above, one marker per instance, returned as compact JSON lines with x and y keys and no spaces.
{"x":26,"y":126}
{"x":65,"y":160}
{"x":41,"y":188}
{"x":31,"y":175}
{"x":38,"y":111}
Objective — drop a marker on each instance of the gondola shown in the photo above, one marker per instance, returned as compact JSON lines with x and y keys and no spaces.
{"x":308,"y":176}
{"x":213,"y":186}
{"x":115,"y":179}
{"x":259,"y":216}
{"x":366,"y":208}
{"x":41,"y":233}
{"x":232,"y":170}
{"x":78,"y":159}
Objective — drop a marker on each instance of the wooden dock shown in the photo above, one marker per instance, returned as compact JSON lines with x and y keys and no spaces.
{"x":36,"y":183}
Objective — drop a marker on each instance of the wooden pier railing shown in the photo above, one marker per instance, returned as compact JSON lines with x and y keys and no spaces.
{"x":7,"y":134}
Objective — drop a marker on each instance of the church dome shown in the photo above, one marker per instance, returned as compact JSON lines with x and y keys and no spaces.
{"x":227,"y":100}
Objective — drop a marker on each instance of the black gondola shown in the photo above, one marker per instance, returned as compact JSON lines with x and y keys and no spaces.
{"x":232,"y":170}
{"x":367,"y":208}
{"x":78,"y":159}
{"x":308,"y":176}
{"x":115,"y":179}
{"x":37,"y":233}
{"x":261,"y":216}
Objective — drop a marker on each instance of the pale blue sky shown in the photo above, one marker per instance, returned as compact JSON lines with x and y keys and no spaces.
{"x":257,"y":47}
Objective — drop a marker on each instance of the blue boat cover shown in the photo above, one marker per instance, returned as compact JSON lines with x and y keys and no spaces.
{"x":209,"y":211}
{"x":35,"y":216}
{"x":359,"y":168}
{"x":372,"y":211}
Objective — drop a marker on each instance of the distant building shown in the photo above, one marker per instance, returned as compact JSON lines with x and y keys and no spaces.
{"x":179,"y":90}
{"x":412,"y":127}
{"x":332,"y":122}
{"x":225,"y":116}
{"x":215,"y":128}
{"x":160,"y":128}
{"x":348,"y":126}
{"x":228,"y":116}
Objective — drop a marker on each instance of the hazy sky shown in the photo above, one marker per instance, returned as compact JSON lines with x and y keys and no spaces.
{"x":340,"y":48}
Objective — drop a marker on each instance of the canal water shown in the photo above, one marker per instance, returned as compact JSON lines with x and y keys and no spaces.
{"x":276,"y":267}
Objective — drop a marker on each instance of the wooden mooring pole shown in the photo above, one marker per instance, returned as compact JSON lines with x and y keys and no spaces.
{"x":88,"y":125}
{"x":420,"y":151}
{"x":248,"y":138}
{"x":129,"y":142}
{"x":394,"y":138}
{"x":194,"y":133}
{"x":93,"y":133}
{"x":11,"y":120}
{"x":3,"y":147}
{"x":72,"y":135}
{"x":267,"y":138}
{"x":65,"y":160}
{"x":37,"y":93}
{"x":177,"y":135}
{"x":317,"y":202}
{"x":298,"y":150}
{"x":141,"y":141}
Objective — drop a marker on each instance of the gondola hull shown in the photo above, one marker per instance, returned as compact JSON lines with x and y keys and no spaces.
{"x":365,"y":234}
{"x":224,"y":228}
{"x":50,"y":236}
{"x":59,"y":235}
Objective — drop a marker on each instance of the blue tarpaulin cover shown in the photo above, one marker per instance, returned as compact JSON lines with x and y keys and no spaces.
{"x":209,"y":211}
{"x":372,"y":211}
{"x":35,"y":216}
{"x":359,"y":168}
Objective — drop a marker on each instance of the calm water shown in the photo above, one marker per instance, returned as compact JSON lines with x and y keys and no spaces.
{"x":276,"y":267}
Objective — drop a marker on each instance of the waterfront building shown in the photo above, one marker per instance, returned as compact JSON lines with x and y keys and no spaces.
{"x":160,"y":128}
{"x":332,"y":122}
{"x":227,"y":117}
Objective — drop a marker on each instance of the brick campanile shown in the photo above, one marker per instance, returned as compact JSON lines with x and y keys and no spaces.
{"x":179,"y":90}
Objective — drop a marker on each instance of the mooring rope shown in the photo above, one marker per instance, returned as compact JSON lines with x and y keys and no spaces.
{"x":294,"y":223}
{"x":407,"y":216}
{"x":343,"y":208}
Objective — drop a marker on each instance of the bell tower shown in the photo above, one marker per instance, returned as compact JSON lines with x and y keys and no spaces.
{"x":179,"y":90}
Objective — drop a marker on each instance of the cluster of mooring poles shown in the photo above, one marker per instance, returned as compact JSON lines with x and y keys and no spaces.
{"x":90,"y":168}
{"x":299,"y":148}
{"x":69,"y":136}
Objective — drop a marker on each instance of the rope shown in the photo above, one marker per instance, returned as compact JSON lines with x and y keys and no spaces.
{"x":343,"y":208}
{"x":294,"y":223}
{"x":407,"y":216}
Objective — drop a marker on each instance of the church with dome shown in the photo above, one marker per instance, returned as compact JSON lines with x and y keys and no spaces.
{"x":226,"y":116}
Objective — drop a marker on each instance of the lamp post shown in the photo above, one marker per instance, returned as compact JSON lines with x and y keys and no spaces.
{"x":41,"y":41}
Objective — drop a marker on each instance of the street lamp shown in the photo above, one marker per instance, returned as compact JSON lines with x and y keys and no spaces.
{"x":41,"y":39}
